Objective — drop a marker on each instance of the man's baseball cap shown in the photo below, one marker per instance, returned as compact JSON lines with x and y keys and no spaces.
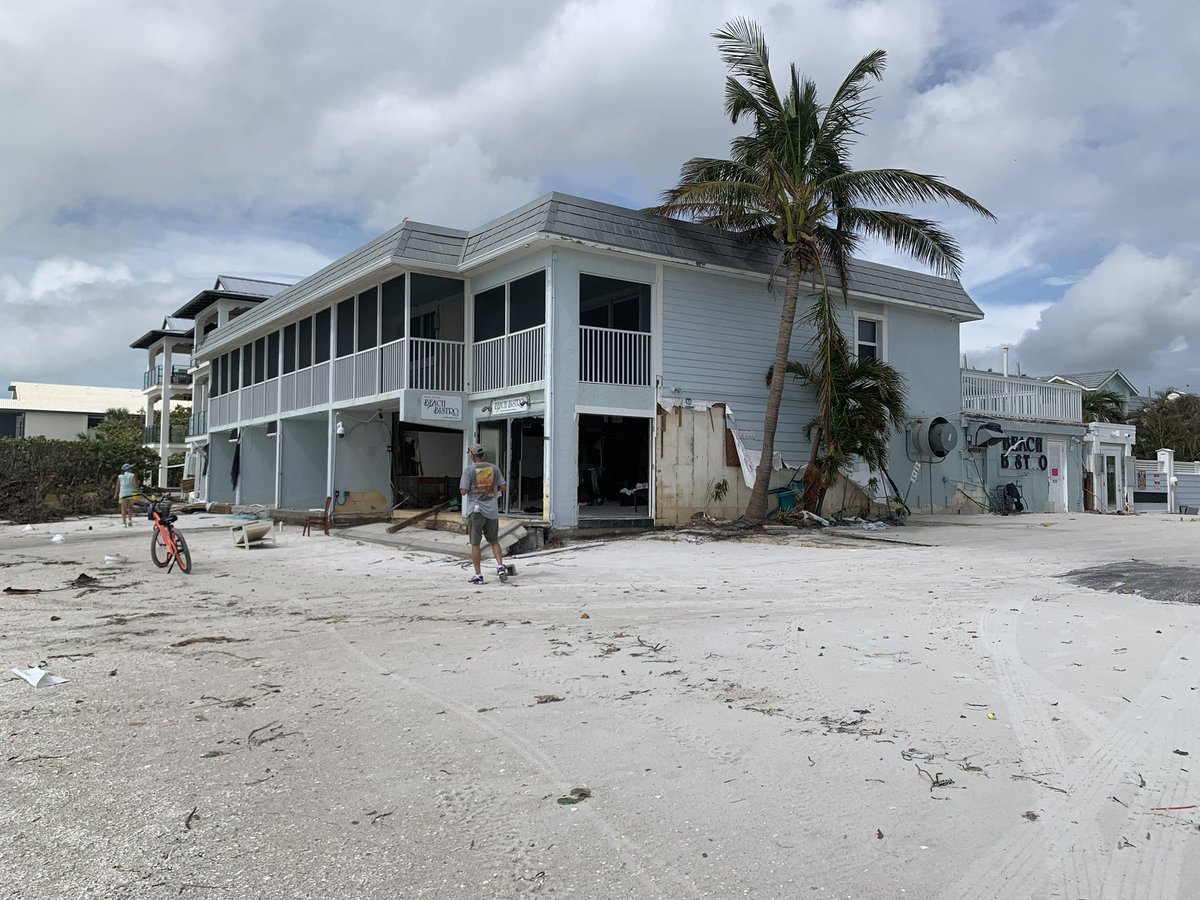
{"x":476,"y":449}
{"x":126,"y":466}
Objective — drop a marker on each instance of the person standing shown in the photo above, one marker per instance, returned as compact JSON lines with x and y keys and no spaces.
{"x":481,"y":485}
{"x":127,"y":485}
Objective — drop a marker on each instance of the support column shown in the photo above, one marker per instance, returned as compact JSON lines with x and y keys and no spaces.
{"x":1166,"y":465}
{"x":164,"y":431}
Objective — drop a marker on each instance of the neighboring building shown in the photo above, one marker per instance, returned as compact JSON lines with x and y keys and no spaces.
{"x":62,"y":411}
{"x":1027,"y":433}
{"x":611,"y":362}
{"x":1111,"y":380}
{"x":171,"y":378}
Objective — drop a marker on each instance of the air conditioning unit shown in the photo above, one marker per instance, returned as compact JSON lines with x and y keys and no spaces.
{"x":933,"y":438}
{"x":272,"y":428}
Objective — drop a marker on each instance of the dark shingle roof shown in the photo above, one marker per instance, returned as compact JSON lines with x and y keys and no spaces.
{"x":563,"y":217}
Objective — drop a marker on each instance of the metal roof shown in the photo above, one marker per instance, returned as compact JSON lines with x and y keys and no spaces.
{"x":251,"y":287}
{"x":32,"y":397}
{"x":152,"y":337}
{"x":561,"y":216}
{"x":1092,"y":381}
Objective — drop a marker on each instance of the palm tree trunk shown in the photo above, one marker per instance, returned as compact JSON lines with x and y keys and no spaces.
{"x":756,"y":509}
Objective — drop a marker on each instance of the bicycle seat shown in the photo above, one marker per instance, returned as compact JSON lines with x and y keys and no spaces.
{"x":170,"y":519}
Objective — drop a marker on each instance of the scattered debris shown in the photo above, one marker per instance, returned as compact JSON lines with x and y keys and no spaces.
{"x":1181,"y":753}
{"x":216,"y":639}
{"x":878,"y":834}
{"x":1038,"y":781}
{"x":13,"y":590}
{"x":913,"y":753}
{"x":38,"y":677}
{"x":1031,"y":815}
{"x":936,"y":780}
{"x":655,"y":648}
{"x":1172,"y":808}
{"x":548,"y":698}
{"x":576,"y":795}
{"x":57,"y":539}
{"x":187,"y":822}
{"x":273,"y":734}
{"x":585,"y":616}
{"x":1123,"y":843}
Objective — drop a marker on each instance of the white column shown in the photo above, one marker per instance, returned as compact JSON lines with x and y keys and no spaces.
{"x":1166,"y":465}
{"x":164,"y":433}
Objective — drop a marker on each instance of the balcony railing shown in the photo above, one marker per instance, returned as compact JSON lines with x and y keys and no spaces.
{"x":509,"y":360}
{"x":154,"y":376}
{"x":613,"y":356}
{"x":197,"y":424}
{"x":151,"y":435}
{"x":1020,"y":398}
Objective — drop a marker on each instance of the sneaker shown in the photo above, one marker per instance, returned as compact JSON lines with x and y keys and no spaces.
{"x":477,"y":579}
{"x":502,"y":573}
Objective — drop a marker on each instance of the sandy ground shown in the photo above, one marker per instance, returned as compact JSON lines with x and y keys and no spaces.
{"x":806,"y":716}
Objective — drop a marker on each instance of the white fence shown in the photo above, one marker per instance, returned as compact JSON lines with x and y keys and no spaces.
{"x":1021,"y":398}
{"x":613,"y":356}
{"x":509,"y":360}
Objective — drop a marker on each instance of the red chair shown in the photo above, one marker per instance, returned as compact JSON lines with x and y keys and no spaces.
{"x":318,"y":517}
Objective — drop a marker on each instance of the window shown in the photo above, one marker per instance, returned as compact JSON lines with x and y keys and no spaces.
{"x":260,"y":360}
{"x":235,"y":357}
{"x":367,"y":326}
{"x":215,"y":390}
{"x":392,"y":303}
{"x":306,"y":343}
{"x":247,"y":365}
{"x":868,"y":334}
{"x":613,"y":303}
{"x":322,"y":320}
{"x":289,"y":349}
{"x":527,"y":302}
{"x":345,"y":327}
{"x":489,"y":314}
{"x":273,"y":355}
{"x":93,"y":421}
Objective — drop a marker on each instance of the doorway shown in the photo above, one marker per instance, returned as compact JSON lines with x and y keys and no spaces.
{"x":517,"y":446}
{"x":1056,"y":452}
{"x":1111,"y":484}
{"x":614,"y":467}
{"x":426,"y":464}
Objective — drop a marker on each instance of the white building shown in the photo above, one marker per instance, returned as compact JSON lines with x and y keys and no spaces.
{"x":61,"y":411}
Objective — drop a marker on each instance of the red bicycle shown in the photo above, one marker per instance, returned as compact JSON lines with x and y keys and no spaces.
{"x":167,"y":547}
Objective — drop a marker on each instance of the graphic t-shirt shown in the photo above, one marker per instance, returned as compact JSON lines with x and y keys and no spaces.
{"x":481,"y":481}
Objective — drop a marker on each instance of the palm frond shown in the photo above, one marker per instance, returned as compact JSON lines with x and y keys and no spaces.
{"x":901,"y":186}
{"x":743,"y":47}
{"x":922,"y":239}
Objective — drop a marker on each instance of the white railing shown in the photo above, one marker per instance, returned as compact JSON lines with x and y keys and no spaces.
{"x":343,"y":378}
{"x":392,"y":366}
{"x":1021,"y":398}
{"x":435,"y":365}
{"x":526,"y":356}
{"x":258,"y":401}
{"x":613,"y":356}
{"x":366,"y":373}
{"x":319,"y":392}
{"x":287,"y":399}
{"x":487,"y":364}
{"x":271,"y":401}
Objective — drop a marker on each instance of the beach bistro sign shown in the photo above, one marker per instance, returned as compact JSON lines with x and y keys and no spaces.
{"x":1024,"y":453}
{"x":441,"y":408}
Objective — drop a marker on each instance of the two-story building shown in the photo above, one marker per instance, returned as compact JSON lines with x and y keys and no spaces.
{"x":612,"y":362}
{"x":172,"y":377}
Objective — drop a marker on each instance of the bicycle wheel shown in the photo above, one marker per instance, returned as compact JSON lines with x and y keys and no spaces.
{"x":160,"y":553}
{"x":183,"y":555}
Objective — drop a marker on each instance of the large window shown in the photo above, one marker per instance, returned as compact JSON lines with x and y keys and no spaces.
{"x":289,"y":349}
{"x":322,"y":321}
{"x":612,"y":303}
{"x":367,"y":325}
{"x":392,"y":310}
{"x":489,"y":314}
{"x":527,"y":302}
{"x":345,"y":327}
{"x":235,"y":358}
{"x":247,"y":365}
{"x":306,"y":343}
{"x":273,"y":355}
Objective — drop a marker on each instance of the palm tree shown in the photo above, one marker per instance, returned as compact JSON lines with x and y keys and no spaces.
{"x":1103,"y":406}
{"x":869,"y":406}
{"x":788,"y":184}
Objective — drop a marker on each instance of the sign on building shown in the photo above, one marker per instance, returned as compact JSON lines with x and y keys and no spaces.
{"x":441,"y":408}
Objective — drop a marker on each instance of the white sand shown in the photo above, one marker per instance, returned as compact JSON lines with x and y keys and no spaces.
{"x":379,"y":735}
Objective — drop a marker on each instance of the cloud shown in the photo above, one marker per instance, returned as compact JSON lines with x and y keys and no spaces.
{"x":1134,"y":311}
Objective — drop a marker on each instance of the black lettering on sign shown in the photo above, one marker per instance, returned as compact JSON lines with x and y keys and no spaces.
{"x":1003,"y":461}
{"x":1043,"y":463}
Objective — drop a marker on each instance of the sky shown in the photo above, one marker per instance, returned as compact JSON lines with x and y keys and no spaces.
{"x":150,"y":145}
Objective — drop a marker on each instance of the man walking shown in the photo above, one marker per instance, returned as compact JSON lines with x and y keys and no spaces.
{"x":480,"y":486}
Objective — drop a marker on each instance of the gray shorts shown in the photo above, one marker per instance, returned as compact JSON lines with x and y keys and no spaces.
{"x":480,"y":526}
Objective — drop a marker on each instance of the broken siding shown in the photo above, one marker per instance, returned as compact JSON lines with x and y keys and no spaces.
{"x":689,"y":462}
